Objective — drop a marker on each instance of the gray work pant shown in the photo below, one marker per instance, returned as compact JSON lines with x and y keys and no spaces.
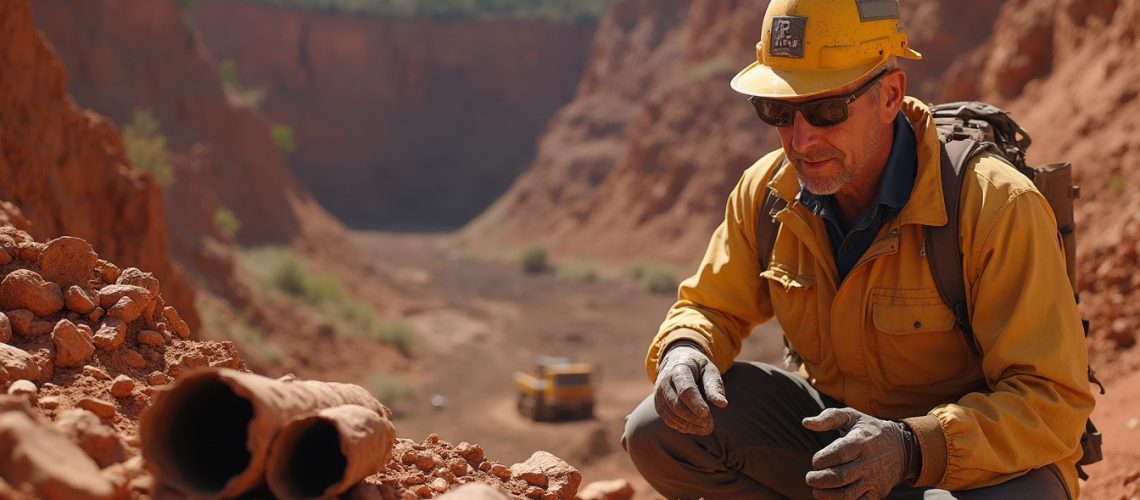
{"x":759,"y":449}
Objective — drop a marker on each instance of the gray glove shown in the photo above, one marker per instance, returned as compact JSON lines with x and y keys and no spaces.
{"x":870,"y":458}
{"x":678,"y":399}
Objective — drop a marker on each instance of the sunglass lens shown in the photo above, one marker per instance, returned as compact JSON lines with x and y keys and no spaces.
{"x":825,"y":113}
{"x":775,"y":113}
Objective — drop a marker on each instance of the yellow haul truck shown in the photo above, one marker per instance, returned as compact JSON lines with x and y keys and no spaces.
{"x":556,"y":390}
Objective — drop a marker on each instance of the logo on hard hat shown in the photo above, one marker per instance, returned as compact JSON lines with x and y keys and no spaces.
{"x":873,"y":10}
{"x":788,"y":36}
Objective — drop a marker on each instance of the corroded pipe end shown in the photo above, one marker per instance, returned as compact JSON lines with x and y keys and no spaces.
{"x":325,"y":453}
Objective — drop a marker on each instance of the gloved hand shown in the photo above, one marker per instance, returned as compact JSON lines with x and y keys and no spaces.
{"x":678,"y":399}
{"x":870,"y":458}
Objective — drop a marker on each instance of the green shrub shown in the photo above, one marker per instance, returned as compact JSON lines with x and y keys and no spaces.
{"x":244,"y":334}
{"x":287,"y":272}
{"x":146,"y":147}
{"x":248,"y":96}
{"x":658,"y":278}
{"x":226,"y":223}
{"x":289,"y":276}
{"x":283,"y":138}
{"x":389,"y":389}
{"x":661,"y":281}
{"x":398,"y":333}
{"x":583,"y":272}
{"x":534,"y":259}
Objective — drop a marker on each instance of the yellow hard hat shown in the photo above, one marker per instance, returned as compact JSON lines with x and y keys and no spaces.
{"x":810,"y":47}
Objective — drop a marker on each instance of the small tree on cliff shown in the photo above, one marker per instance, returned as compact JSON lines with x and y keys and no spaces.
{"x":146,"y":147}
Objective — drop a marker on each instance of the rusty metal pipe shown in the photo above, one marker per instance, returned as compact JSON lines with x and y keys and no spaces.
{"x":210,"y":433}
{"x":323,"y":454}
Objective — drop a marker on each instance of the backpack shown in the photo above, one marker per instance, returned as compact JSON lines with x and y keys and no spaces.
{"x":968,"y":129}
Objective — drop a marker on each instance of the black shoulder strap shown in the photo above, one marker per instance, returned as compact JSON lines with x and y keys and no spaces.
{"x":766,"y":224}
{"x":942,"y":248}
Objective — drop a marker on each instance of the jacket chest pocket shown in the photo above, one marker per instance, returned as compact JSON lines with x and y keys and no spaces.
{"x":796,"y":307}
{"x":916,"y":338}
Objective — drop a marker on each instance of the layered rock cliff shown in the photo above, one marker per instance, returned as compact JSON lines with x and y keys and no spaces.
{"x":401,"y":123}
{"x":127,"y":55}
{"x":640,"y":163}
{"x":65,"y":168}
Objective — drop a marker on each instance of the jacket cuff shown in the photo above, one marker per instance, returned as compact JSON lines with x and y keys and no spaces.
{"x":932,"y":443}
{"x":658,"y":349}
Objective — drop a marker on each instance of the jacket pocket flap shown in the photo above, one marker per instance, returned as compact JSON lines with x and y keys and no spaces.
{"x":787,"y":279}
{"x":903,"y":319}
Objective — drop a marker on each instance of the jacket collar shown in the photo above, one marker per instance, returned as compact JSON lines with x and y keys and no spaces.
{"x":926,"y":206}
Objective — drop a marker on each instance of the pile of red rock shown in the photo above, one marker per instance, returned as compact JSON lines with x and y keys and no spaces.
{"x":434,"y":467}
{"x":83,"y":346}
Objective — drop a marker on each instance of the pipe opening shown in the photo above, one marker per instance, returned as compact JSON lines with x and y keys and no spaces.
{"x":206,"y":436}
{"x":315,"y":461}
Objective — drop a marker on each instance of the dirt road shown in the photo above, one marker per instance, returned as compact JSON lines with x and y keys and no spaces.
{"x":484,"y":320}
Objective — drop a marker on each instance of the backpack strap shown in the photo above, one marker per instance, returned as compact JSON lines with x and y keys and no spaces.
{"x":942,"y":245}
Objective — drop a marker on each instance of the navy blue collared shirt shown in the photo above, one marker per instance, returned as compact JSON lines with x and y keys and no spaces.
{"x":894,"y":191}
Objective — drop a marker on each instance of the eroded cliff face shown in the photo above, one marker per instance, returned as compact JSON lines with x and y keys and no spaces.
{"x":401,"y":123}
{"x":66,"y":169}
{"x":125,"y":55}
{"x":1068,"y":70}
{"x":639,"y":165}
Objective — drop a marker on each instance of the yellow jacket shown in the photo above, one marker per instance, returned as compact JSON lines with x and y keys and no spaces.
{"x":885,"y":344}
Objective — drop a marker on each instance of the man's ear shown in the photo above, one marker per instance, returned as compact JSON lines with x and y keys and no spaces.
{"x":893,"y":91}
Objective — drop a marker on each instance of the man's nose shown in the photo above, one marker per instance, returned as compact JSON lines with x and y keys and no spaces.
{"x":804,"y":134}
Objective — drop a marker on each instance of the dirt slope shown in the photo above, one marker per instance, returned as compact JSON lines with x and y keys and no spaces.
{"x":65,"y":167}
{"x":124,"y":55}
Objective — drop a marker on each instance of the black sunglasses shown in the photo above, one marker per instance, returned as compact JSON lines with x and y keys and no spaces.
{"x":823,"y":112}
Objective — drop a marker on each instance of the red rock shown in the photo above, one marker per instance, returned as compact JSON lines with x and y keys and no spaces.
{"x":111,"y":334}
{"x":15,"y":364}
{"x":127,"y":309}
{"x":177,"y":325}
{"x":500,"y":471}
{"x":122,"y":386}
{"x":21,"y":320}
{"x":151,"y":338}
{"x":109,"y":272}
{"x":103,"y":409}
{"x":68,"y":261}
{"x":24,"y":388}
{"x":29,"y":251}
{"x":77,"y":299}
{"x":439,"y":485}
{"x":157,"y":378}
{"x":617,"y":489}
{"x":550,"y":472}
{"x":25,"y":289}
{"x":110,"y":294}
{"x":95,"y":372}
{"x":98,"y":440}
{"x":96,"y":314}
{"x":135,"y":277}
{"x":48,"y":461}
{"x":472,"y":453}
{"x":133,"y":359}
{"x":40,"y":327}
{"x":5,"y":329}
{"x":72,"y":349}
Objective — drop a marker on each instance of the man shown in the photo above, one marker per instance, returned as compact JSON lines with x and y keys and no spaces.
{"x":890,"y":399}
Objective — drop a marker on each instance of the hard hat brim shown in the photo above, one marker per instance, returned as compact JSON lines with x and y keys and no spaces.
{"x":765,"y":81}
